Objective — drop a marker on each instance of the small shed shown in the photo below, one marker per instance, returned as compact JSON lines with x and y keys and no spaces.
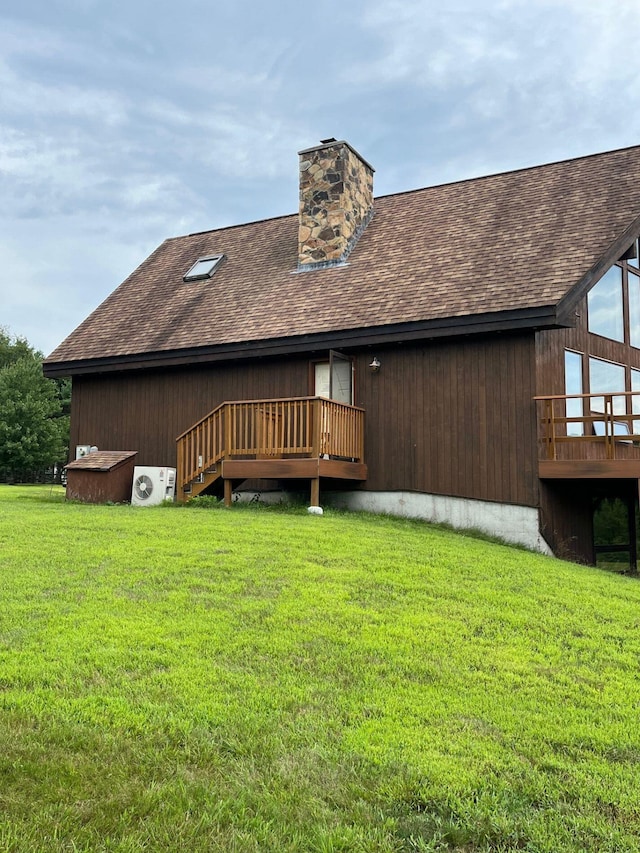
{"x":102,"y":476}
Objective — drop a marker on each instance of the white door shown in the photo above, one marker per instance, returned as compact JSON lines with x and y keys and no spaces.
{"x":334,"y":378}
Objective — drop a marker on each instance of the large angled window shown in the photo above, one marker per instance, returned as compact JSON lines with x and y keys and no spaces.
{"x":634,"y":309}
{"x":604,"y":302}
{"x":613,"y":303}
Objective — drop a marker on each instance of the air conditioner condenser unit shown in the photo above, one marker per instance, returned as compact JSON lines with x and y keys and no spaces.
{"x":152,"y":485}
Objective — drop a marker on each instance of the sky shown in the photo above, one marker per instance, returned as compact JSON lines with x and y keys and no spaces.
{"x":124,"y":123}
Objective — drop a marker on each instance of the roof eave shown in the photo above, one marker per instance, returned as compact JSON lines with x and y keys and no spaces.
{"x":567,"y":305}
{"x":543,"y":317}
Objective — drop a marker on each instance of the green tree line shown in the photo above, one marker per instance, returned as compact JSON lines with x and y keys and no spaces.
{"x":34,"y":413}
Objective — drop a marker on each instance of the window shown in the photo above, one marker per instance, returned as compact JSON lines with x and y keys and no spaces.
{"x":634,"y":308}
{"x":606,"y":377}
{"x":573,"y":385}
{"x":613,"y":303}
{"x":605,"y":306}
{"x":635,"y":401}
{"x":203,"y":268}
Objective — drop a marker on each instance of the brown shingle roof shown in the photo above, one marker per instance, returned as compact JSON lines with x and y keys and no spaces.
{"x":101,"y":460}
{"x":518,"y":240}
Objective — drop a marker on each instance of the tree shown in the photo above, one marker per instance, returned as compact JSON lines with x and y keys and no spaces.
{"x":34,"y":428}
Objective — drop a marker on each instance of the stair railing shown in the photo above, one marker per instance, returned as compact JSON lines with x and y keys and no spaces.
{"x":294,"y":427}
{"x":200,"y":447}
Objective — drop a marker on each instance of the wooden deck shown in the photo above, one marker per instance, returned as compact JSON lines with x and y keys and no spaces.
{"x":295,"y":438}
{"x":599,"y":439}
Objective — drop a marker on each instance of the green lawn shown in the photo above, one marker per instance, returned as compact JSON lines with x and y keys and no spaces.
{"x":263,"y":680}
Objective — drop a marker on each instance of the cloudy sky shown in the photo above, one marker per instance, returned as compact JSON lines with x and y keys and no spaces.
{"x":123,"y":123}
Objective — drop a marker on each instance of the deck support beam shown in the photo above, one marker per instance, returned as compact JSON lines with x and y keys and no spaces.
{"x":315,"y":491}
{"x":633,"y":541}
{"x":228,"y":492}
{"x":589,"y":469}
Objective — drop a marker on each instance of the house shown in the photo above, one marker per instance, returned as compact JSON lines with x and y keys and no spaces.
{"x":468,"y":352}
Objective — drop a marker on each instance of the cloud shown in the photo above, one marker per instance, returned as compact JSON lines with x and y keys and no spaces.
{"x":19,"y":96}
{"x":426,"y":46}
{"x":468,"y":88}
{"x":26,"y":90}
{"x":52,"y":278}
{"x":122,"y":124}
{"x":512,"y":44}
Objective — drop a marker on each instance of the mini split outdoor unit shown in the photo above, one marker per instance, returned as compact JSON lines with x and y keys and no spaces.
{"x":83,"y":450}
{"x":151,"y":486}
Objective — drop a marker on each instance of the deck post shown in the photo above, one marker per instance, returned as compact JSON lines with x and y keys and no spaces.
{"x":228,"y":492}
{"x":315,"y":491}
{"x":633,"y":542}
{"x":180,"y":467}
{"x":227,"y":430}
{"x":316,"y":440}
{"x":551,"y":428}
{"x":609,"y":427}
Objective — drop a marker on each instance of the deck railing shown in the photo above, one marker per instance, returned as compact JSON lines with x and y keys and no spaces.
{"x":589,"y":426}
{"x":279,"y":429}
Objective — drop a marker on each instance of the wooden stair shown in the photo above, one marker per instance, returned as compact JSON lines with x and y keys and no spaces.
{"x":296,"y":438}
{"x":202,"y":482}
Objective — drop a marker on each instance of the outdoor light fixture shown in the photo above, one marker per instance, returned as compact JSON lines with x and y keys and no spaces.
{"x":374,"y":367}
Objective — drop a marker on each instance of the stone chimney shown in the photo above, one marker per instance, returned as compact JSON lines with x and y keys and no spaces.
{"x":336,"y":203}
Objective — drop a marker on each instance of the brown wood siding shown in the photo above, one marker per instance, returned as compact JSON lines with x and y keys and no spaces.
{"x":147,"y":411}
{"x":451,"y":418}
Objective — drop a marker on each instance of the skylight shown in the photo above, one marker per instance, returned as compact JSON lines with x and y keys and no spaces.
{"x":203,"y":268}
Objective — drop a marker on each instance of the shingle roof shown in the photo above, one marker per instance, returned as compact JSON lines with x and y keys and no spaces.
{"x":517,"y":240}
{"x":101,"y":460}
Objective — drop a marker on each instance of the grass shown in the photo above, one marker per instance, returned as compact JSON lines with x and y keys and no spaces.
{"x":264,"y":680}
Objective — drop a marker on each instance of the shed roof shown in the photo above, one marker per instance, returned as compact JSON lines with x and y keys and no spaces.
{"x":515,"y":247}
{"x":101,"y":460}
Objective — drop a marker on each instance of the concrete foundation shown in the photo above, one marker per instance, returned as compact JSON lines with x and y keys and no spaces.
{"x":515,"y":524}
{"x":518,"y":525}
